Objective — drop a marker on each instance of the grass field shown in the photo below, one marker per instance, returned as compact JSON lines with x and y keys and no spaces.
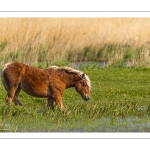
{"x":75,"y":39}
{"x":120,"y":102}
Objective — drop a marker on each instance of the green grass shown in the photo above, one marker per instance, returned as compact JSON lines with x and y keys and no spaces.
{"x":120,"y":101}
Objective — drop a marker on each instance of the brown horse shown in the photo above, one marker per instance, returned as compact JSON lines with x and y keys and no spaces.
{"x":50,"y":82}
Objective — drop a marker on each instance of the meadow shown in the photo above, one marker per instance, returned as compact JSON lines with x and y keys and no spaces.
{"x":120,"y":102}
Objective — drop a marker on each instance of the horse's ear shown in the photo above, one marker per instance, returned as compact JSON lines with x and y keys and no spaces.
{"x":82,"y":76}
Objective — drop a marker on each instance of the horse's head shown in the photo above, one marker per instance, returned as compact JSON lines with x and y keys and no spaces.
{"x":83,"y":86}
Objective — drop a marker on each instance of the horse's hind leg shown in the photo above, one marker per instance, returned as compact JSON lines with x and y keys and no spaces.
{"x":50,"y":103}
{"x":11,"y":94}
{"x":15,"y":100}
{"x":11,"y":80}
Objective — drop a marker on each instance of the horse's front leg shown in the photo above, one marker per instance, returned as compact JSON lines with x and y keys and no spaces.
{"x":58,"y":99}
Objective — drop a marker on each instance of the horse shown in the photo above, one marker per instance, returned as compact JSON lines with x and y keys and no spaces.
{"x":47,"y":83}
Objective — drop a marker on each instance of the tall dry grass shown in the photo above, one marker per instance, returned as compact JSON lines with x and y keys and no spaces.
{"x":75,"y":39}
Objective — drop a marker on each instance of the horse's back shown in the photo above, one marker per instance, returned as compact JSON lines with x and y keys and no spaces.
{"x":21,"y":69}
{"x":35,"y":82}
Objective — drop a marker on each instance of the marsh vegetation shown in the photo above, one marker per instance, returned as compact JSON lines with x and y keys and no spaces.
{"x":120,"y":101}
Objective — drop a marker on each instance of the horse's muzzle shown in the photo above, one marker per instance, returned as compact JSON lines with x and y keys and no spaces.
{"x":86,"y":98}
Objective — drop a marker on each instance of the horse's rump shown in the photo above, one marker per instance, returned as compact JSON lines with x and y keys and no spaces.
{"x":32,"y":80}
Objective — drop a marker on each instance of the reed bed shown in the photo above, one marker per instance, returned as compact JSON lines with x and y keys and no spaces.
{"x":38,"y":40}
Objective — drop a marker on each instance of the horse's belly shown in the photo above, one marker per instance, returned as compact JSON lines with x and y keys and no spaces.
{"x":37,"y":91}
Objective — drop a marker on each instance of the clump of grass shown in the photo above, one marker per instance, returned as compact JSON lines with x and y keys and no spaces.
{"x":73,"y":117}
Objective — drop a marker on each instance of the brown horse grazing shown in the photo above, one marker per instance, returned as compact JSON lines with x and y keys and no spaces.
{"x":50,"y":82}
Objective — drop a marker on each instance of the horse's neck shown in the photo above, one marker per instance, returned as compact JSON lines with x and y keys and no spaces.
{"x":70,"y":80}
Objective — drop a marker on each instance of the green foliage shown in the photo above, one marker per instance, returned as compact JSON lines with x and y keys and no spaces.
{"x":85,"y":51}
{"x":112,"y":53}
{"x":60,"y":63}
{"x":89,"y":65}
{"x":129,"y":54}
{"x":118,"y":64}
{"x":108,"y":51}
{"x":3,"y":45}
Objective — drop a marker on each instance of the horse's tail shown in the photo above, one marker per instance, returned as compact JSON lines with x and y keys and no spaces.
{"x":4,"y":78}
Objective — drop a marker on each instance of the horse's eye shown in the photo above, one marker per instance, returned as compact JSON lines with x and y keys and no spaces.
{"x":83,"y":84}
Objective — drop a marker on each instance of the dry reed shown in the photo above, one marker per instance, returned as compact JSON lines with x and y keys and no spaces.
{"x":75,"y":39}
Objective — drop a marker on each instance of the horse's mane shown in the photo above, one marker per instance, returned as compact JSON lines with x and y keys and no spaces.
{"x":74,"y":71}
